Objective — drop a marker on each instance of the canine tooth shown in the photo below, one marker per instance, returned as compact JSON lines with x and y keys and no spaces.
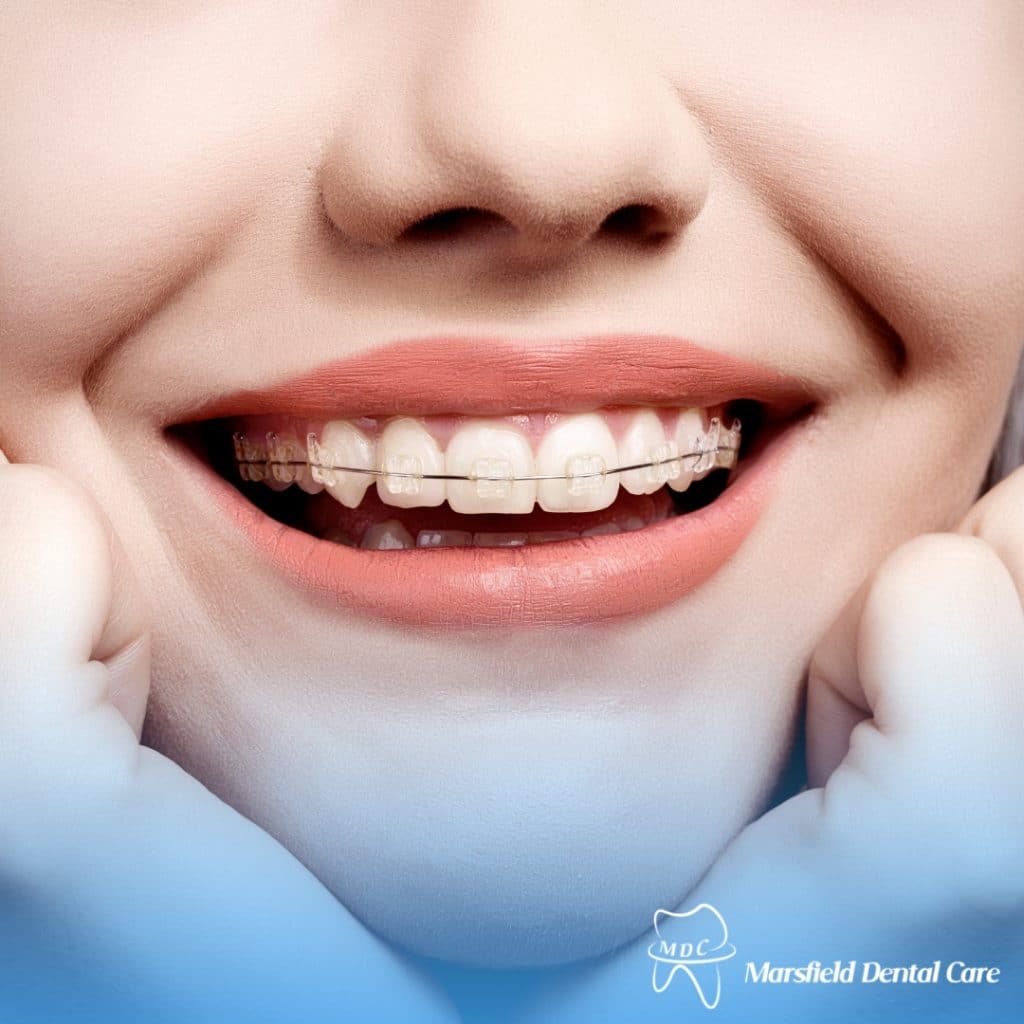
{"x":709,"y":447}
{"x":577,"y":450}
{"x":407,"y":452}
{"x":342,"y":444}
{"x":689,"y":435}
{"x":444,"y":539}
{"x":644,"y":441}
{"x":387,"y":536}
{"x":491,"y":455}
{"x":499,"y":540}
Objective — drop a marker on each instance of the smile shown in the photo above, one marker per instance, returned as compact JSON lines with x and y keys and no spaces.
{"x":483,"y":510}
{"x":480,"y":468}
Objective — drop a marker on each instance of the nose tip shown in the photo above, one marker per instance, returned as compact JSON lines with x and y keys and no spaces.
{"x":535,"y":163}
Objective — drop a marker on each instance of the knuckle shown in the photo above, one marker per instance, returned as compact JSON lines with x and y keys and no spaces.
{"x":37,"y":501}
{"x":932,"y":557}
{"x":1000,"y":511}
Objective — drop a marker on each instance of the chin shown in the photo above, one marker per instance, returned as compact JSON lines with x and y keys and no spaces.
{"x":552,"y":845}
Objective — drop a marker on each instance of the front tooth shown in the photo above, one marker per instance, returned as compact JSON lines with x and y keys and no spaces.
{"x":492,"y":456}
{"x":444,"y":539}
{"x":387,"y":536}
{"x":689,"y":436}
{"x":644,"y":442}
{"x":409,"y":452}
{"x":341,"y":444}
{"x":576,"y":452}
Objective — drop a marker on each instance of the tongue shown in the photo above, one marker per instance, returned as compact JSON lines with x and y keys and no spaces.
{"x":323,"y":515}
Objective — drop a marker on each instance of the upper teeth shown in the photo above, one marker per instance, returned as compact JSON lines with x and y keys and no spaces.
{"x":488,"y":465}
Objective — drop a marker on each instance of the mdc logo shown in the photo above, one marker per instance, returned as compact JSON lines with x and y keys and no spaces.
{"x":694,"y":942}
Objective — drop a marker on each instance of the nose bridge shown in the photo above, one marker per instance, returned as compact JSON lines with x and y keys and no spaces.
{"x":536,"y":116}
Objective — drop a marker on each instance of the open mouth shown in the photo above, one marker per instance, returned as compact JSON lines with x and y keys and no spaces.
{"x":475,"y":482}
{"x":453,"y":481}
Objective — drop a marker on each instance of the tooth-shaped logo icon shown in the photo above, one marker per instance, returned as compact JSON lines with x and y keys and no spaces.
{"x":694,"y":942}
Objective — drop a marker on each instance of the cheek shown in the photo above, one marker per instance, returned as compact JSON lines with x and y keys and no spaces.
{"x":130,"y":157}
{"x":897,"y":159}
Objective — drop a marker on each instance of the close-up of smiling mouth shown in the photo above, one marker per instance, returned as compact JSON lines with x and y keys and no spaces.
{"x":462,"y":481}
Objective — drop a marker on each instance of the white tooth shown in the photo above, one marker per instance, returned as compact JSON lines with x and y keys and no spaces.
{"x":633,"y":523}
{"x":689,"y":436}
{"x":605,"y":529}
{"x":404,"y":448}
{"x":644,"y":441}
{"x":576,"y":451}
{"x":387,"y":536}
{"x":493,"y":455}
{"x":499,"y":540}
{"x":341,"y":444}
{"x":710,"y":442}
{"x":444,"y":539}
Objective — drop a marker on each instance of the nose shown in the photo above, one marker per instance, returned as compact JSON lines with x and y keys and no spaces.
{"x":533,"y":131}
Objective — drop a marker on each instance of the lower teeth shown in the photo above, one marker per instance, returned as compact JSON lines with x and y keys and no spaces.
{"x":391,"y":535}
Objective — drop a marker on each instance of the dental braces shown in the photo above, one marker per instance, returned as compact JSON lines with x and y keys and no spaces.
{"x":717,"y":448}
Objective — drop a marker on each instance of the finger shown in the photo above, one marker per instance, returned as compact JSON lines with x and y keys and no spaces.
{"x":835,"y":700}
{"x":69,"y":631}
{"x":998,"y":519}
{"x":936,"y":626}
{"x":940,"y":648}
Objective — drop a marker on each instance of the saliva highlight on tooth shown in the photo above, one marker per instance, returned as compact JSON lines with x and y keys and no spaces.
{"x":284,"y":461}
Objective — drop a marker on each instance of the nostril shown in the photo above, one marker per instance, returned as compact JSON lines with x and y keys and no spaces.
{"x":639,"y":222}
{"x":447,"y":225}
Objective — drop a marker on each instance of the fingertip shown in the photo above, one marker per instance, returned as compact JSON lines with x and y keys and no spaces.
{"x":998,"y":520}
{"x":941,"y":625}
{"x":55,"y":571}
{"x":926,"y":568}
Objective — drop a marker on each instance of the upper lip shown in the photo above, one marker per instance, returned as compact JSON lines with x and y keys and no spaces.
{"x":489,"y":376}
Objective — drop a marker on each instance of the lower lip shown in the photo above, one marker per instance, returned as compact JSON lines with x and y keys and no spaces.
{"x":588,"y":580}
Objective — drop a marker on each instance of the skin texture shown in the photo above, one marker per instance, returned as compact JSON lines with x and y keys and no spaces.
{"x":202,"y":199}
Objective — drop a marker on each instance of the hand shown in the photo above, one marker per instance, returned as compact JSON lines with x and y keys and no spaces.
{"x":127,"y":890}
{"x":910,"y":848}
